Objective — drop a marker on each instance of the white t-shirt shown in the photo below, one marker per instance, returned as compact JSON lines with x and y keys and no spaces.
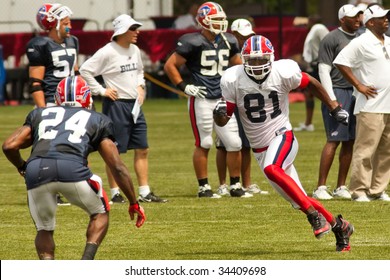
{"x":186,"y":21}
{"x":121,"y":68}
{"x":367,"y":58}
{"x":312,"y":42}
{"x":263,"y":108}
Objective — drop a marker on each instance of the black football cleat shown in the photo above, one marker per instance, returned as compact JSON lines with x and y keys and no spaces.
{"x":319,"y":224}
{"x":342,"y":231}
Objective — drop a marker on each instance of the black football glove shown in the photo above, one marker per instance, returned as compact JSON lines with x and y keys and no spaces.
{"x":221,"y":108}
{"x":22,"y":169}
{"x":340,"y":115}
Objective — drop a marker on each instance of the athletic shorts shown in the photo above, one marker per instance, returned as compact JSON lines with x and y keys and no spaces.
{"x":336,"y":131}
{"x":128,"y":135}
{"x":89,"y":195}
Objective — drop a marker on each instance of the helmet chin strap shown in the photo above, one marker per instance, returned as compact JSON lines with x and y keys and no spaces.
{"x":58,"y":28}
{"x":225,"y":40}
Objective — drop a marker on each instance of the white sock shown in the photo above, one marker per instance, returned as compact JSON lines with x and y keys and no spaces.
{"x":114,"y":191}
{"x":144,"y":190}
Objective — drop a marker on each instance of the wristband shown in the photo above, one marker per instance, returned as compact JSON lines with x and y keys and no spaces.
{"x":182,"y":85}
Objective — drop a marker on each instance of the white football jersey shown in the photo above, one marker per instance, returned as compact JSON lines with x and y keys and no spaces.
{"x":263,"y":108}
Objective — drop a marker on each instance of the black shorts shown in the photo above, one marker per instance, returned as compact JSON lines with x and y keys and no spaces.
{"x":336,"y":131}
{"x":128,"y":135}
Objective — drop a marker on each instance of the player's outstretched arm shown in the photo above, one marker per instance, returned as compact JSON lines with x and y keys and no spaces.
{"x":334,"y":107}
{"x":109,"y":153}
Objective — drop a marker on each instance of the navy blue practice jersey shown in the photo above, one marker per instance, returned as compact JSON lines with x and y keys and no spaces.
{"x":68,"y":133}
{"x":207,"y":60}
{"x":59,"y":61}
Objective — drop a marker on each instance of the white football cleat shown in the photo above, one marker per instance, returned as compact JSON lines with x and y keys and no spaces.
{"x":322,"y":193}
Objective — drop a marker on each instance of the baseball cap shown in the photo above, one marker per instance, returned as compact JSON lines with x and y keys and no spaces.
{"x":122,"y":24}
{"x":242,"y":26}
{"x":349,"y":10}
{"x":374,"y":11}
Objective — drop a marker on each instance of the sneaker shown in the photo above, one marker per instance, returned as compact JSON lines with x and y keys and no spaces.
{"x":60,"y":202}
{"x":303,"y":127}
{"x":254,"y":189}
{"x":223,"y":190}
{"x":342,"y":192}
{"x":342,"y":231}
{"x":319,"y":224}
{"x":362,"y":198}
{"x":205,"y":191}
{"x":384,"y":197}
{"x":322,"y":193}
{"x":118,"y":198}
{"x":237,"y":191}
{"x":151,"y":197}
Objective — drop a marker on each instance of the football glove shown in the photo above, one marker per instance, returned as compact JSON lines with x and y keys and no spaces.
{"x":340,"y":115}
{"x":22,"y":169}
{"x":196,"y":91}
{"x":221,"y":108}
{"x":136,"y":208}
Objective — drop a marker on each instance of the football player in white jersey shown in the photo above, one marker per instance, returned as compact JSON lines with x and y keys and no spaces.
{"x":259,"y":88}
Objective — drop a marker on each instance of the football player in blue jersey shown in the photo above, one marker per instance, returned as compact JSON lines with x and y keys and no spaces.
{"x":61,"y":138}
{"x":207,"y":54}
{"x":52,"y":57}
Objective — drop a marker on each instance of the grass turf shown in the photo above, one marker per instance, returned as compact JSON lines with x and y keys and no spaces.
{"x":187,"y":228}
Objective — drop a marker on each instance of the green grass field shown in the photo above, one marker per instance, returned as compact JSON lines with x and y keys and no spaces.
{"x":188,"y":228}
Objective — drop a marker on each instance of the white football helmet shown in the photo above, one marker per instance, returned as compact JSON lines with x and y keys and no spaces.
{"x":257,"y":56}
{"x":49,"y":15}
{"x":212,"y":17}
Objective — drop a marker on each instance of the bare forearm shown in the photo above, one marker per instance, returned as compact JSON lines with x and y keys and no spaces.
{"x":320,"y":92}
{"x":39,"y":99}
{"x":125,"y":183}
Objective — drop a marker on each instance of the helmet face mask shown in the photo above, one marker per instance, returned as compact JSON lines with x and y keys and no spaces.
{"x":212,"y":17}
{"x":257,"y":56}
{"x":50,"y":15}
{"x":73,"y":92}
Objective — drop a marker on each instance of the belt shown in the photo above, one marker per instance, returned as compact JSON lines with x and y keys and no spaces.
{"x":259,"y":150}
{"x":126,"y":100}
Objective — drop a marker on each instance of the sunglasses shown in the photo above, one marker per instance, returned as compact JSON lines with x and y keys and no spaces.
{"x":133,"y":27}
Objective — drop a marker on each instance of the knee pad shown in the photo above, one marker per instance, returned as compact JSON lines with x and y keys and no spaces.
{"x":271,"y":172}
{"x":234,"y":145}
{"x":206,"y":142}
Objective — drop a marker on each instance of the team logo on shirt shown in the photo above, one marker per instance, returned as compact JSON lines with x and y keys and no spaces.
{"x":128,"y":67}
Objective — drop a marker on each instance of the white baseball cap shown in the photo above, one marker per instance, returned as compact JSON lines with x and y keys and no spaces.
{"x":122,"y":24}
{"x":242,"y":26}
{"x":349,"y":10}
{"x":374,"y":11}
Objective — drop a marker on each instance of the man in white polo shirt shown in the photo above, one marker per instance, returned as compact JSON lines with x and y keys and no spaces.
{"x":365,"y":63}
